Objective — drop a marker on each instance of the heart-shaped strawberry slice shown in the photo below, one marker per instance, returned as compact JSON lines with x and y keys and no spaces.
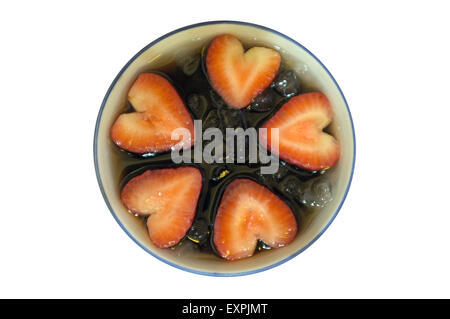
{"x":159,"y":111}
{"x":247,"y":212}
{"x":169,"y":197}
{"x":302,"y":141}
{"x":237,"y":76}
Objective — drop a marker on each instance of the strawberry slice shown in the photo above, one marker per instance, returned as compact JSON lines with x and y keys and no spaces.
{"x":160,"y":110}
{"x":169,"y":197}
{"x":237,"y":76}
{"x":247,"y":212}
{"x":301,"y":139}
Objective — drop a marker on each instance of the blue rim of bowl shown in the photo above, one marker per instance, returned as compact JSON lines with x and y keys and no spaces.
{"x":206,"y":273}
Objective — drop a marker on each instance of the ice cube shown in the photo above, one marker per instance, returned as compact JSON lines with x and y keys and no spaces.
{"x":185,"y":248}
{"x":212,"y":120}
{"x":286,"y":84}
{"x":263,"y":102}
{"x":216,"y":99}
{"x":190,"y":64}
{"x":291,"y":186}
{"x":198,"y":104}
{"x":317,"y":193}
{"x":232,"y":118}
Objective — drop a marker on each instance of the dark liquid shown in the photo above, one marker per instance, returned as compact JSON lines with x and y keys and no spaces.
{"x":217,"y":176}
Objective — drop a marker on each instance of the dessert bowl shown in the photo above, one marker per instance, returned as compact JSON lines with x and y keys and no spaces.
{"x":161,"y":52}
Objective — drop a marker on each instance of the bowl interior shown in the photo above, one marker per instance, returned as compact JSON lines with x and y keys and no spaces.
{"x":313,"y":76}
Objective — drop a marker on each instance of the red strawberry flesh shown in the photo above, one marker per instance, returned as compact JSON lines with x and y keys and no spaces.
{"x":247,"y":212}
{"x":159,"y":111}
{"x":302,"y":141}
{"x":169,"y":197}
{"x":237,"y":76}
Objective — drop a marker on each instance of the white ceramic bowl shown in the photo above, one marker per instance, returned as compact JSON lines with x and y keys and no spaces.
{"x":162,"y":51}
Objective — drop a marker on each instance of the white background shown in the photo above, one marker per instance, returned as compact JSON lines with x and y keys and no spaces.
{"x":392,"y":237}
